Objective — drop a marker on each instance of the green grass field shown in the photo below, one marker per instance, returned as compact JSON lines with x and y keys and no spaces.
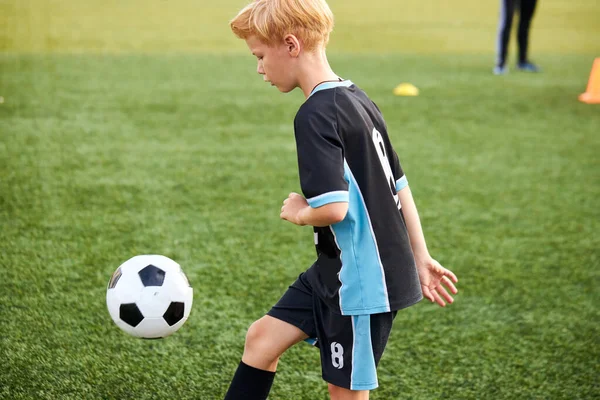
{"x":132,"y":127}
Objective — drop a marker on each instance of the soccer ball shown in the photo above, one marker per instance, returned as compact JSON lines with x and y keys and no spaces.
{"x":149,"y":296}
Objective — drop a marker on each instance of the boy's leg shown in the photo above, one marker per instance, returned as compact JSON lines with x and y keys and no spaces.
{"x":289,"y":322}
{"x":267,"y":339}
{"x":351,"y":347}
{"x":339,"y":393}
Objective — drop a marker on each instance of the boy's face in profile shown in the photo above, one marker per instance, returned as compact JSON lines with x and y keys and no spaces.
{"x":275,"y":63}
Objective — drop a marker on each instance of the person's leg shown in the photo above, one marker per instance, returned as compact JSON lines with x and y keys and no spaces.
{"x":349,"y":367}
{"x":267,"y":339}
{"x":503,"y":36}
{"x":340,"y":393}
{"x":351,"y":347}
{"x":526,"y":12}
{"x":290,"y":321}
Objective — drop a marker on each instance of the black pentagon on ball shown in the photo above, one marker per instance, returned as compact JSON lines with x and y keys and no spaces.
{"x":130,"y":314}
{"x":152,"y":276}
{"x":174,"y":313}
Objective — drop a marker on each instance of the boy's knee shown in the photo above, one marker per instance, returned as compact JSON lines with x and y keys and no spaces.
{"x":257,"y":338}
{"x":255,"y":333}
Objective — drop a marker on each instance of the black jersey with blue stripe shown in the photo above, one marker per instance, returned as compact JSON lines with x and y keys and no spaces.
{"x":364,"y":264}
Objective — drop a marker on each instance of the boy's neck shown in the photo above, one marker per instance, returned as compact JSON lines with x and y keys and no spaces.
{"x":316,"y":71}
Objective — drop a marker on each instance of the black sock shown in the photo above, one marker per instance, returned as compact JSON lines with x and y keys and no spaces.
{"x":250,"y":383}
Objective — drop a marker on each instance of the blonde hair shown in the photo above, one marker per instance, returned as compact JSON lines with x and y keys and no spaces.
{"x":311,"y":21}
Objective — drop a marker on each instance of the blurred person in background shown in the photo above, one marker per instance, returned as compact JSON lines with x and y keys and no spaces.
{"x":526,"y":10}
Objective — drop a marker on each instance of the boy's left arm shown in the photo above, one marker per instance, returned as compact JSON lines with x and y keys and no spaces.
{"x":435,"y":279}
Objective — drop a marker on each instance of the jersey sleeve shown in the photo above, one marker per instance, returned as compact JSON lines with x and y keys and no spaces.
{"x":401,"y":181}
{"x":320,"y":158}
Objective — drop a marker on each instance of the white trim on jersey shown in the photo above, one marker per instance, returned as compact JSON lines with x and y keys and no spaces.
{"x":401,"y":183}
{"x":353,"y":350}
{"x":335,"y":195}
{"x":330,"y":85}
{"x":338,"y":274}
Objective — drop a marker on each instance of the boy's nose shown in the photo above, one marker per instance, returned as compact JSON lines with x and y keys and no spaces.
{"x":260,"y":69}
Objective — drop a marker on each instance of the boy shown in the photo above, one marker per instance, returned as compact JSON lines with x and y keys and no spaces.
{"x":372,"y":258}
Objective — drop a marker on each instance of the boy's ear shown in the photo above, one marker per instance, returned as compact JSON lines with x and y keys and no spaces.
{"x":293,"y":45}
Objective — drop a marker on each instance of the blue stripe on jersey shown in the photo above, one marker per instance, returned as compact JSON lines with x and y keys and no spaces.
{"x":330,"y":85}
{"x":326,"y":198}
{"x":311,"y":341}
{"x":364,"y":373}
{"x":363,"y":288}
{"x":401,"y":183}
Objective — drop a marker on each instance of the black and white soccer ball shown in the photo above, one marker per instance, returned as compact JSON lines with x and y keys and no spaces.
{"x":149,"y":296}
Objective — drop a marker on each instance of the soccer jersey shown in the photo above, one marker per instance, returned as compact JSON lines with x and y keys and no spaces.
{"x":364,"y":264}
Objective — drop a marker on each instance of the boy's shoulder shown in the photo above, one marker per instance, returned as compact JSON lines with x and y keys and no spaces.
{"x":348,"y":101}
{"x":325,"y":99}
{"x":319,"y":102}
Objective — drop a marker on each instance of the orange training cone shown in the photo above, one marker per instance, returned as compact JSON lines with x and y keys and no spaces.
{"x":592,"y":94}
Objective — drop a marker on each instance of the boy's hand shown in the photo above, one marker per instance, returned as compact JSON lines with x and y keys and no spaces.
{"x":433,"y":276}
{"x":292,"y":207}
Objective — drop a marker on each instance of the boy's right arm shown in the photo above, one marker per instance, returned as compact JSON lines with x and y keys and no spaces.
{"x":297,"y":210}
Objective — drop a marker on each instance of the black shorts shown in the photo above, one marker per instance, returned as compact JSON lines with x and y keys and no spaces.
{"x":351,"y":346}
